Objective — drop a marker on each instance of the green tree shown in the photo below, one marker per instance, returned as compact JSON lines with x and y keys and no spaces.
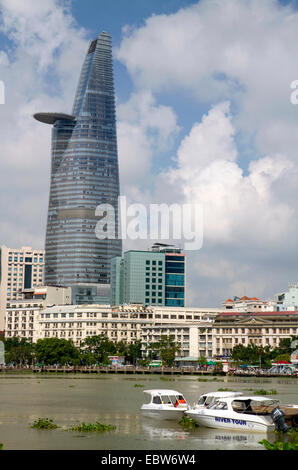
{"x":166,"y":348}
{"x":284,"y":348}
{"x":122,"y":348}
{"x":20,"y":351}
{"x":202,"y":361}
{"x":56,"y":351}
{"x":134,"y":352}
{"x":282,"y":357}
{"x":97,"y":348}
{"x":251,"y":354}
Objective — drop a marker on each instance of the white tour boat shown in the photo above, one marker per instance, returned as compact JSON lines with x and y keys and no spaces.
{"x":165,"y":404}
{"x":238,"y":413}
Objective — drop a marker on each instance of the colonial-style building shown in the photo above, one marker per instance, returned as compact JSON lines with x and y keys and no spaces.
{"x":260,"y":328}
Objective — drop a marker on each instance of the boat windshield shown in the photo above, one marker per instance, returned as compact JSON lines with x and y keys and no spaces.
{"x":209,"y":400}
{"x":218,"y":405}
{"x":201,"y":400}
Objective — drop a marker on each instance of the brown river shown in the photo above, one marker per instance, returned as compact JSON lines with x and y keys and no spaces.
{"x":116,"y":400}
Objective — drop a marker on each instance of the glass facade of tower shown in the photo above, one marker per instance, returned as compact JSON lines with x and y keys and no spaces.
{"x":84,"y":174}
{"x":154,"y":277}
{"x":175,"y":279}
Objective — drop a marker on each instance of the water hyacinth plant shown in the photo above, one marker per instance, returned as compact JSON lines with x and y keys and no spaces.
{"x":188,"y":423}
{"x":44,"y":423}
{"x":97,"y":427}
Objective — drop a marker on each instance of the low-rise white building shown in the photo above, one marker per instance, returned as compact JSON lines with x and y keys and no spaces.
{"x":40,"y":318}
{"x":129,"y":323}
{"x":193,"y":339}
{"x":259,"y":328}
{"x":22,"y":315}
{"x":248,"y":304}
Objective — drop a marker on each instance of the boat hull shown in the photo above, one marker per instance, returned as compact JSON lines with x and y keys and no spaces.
{"x":171,"y":414}
{"x":243,"y":423}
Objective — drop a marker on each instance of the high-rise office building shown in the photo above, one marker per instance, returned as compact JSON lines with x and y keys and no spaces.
{"x":20,"y":269}
{"x":155,"y":277}
{"x":84,"y":174}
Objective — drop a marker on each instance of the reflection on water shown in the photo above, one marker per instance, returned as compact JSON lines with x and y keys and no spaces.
{"x":75,"y":399}
{"x":159,"y":430}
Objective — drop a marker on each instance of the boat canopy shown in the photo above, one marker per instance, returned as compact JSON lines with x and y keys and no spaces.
{"x":207,"y":398}
{"x":166,"y":397}
{"x":222,"y":394}
{"x":162,"y":392}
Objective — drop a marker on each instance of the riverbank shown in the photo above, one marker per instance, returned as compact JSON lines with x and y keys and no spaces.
{"x":134,"y":370}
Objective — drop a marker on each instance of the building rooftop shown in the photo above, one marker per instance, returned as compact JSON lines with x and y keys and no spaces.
{"x":262,"y":313}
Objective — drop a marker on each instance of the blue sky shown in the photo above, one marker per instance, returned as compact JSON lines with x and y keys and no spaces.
{"x":204,"y":116}
{"x":100,"y":15}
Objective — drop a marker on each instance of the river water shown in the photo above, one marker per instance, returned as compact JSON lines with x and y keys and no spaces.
{"x":116,"y":399}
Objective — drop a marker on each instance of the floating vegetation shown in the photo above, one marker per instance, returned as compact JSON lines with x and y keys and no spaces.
{"x":265,"y":392}
{"x":1,"y":446}
{"x":280,"y":445}
{"x":138,"y":385}
{"x":97,"y":427}
{"x":203,"y":380}
{"x":166,"y":379}
{"x":290,"y":444}
{"x":44,"y":423}
{"x":188,"y":423}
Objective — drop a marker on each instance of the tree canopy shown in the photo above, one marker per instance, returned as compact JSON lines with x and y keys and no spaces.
{"x":166,"y":348}
{"x":56,"y":351}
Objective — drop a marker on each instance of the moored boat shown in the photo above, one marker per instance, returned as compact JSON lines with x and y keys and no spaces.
{"x":238,"y":413}
{"x":165,"y":404}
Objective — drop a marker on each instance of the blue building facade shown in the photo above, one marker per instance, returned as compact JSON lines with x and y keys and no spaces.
{"x":155,"y":277}
{"x":174,"y":278}
{"x":84,"y":174}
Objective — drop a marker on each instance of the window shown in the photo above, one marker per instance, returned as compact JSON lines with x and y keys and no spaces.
{"x":156,"y":400}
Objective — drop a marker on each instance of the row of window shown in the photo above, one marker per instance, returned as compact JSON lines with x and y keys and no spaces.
{"x":20,"y":259}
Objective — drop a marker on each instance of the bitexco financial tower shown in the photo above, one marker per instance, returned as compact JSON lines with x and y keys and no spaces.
{"x":84,"y":174}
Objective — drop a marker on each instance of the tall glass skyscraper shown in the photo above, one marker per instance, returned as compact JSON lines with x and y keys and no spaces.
{"x":84,"y":174}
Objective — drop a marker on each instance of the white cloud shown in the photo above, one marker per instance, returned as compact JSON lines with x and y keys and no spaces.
{"x":144,"y":128}
{"x":45,"y":44}
{"x":208,"y":171}
{"x":242,"y":53}
{"x":246,"y":223}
